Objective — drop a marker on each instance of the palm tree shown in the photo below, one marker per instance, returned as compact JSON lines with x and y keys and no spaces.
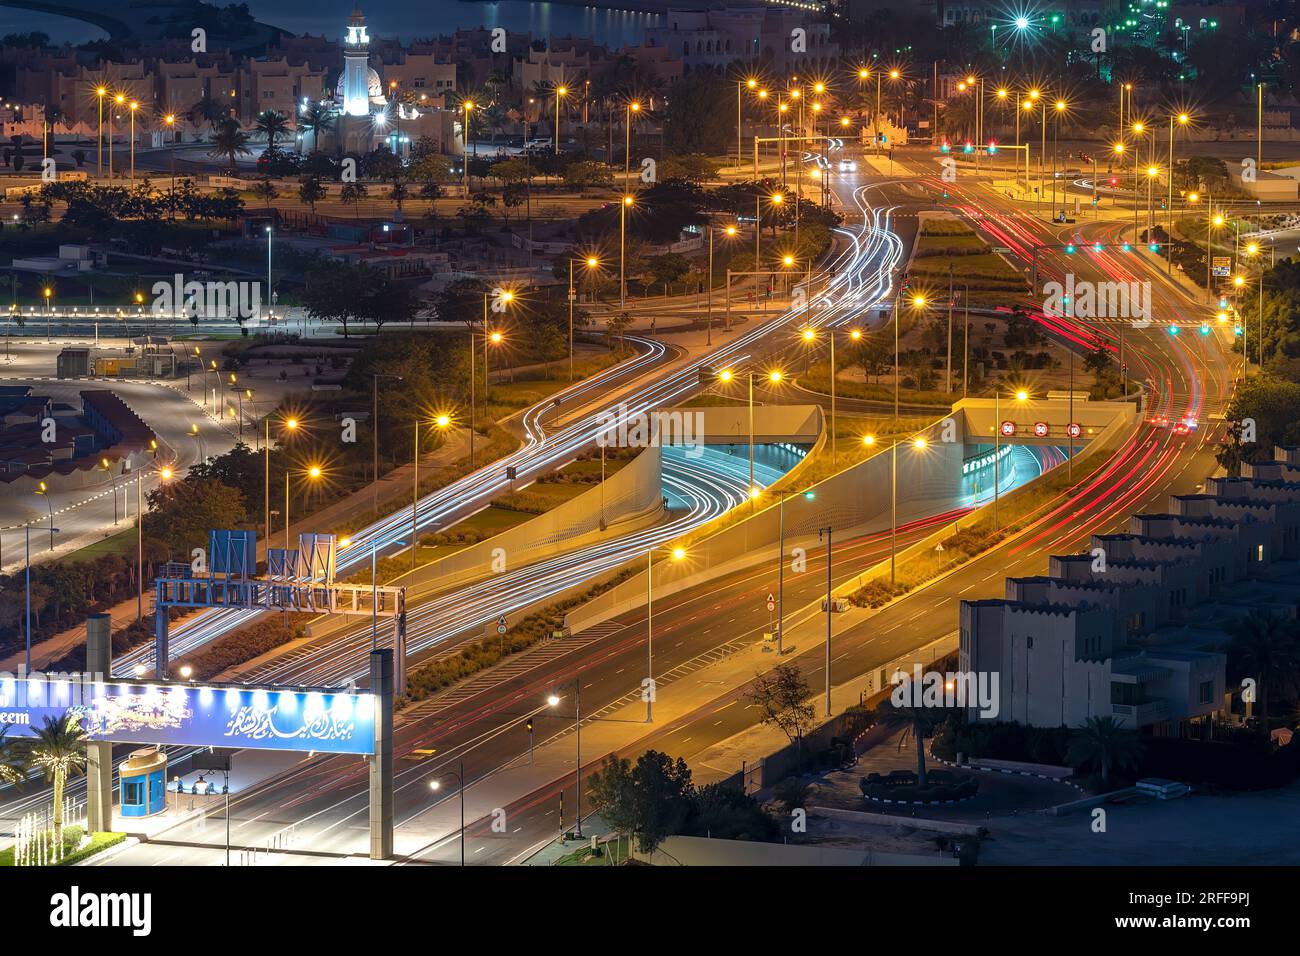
{"x":230,"y":141}
{"x":1268,"y":649}
{"x":1104,"y":743}
{"x":399,"y":193}
{"x":316,"y":119}
{"x":311,"y":192}
{"x":208,"y":110}
{"x":60,"y":750}
{"x":13,"y":762}
{"x":273,"y":125}
{"x":917,"y":721}
{"x":352,"y":194}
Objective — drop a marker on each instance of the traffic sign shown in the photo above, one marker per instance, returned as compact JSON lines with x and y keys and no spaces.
{"x":1074,"y":429}
{"x":1008,"y":428}
{"x":771,"y":602}
{"x":1040,"y":429}
{"x":501,"y":624}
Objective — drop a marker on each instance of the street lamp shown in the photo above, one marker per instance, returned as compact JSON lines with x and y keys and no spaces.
{"x":1021,"y":396}
{"x":435,"y":785}
{"x":134,"y":106}
{"x":554,"y":701}
{"x":624,"y":206}
{"x":290,"y":425}
{"x":730,"y":231}
{"x":468,"y":107}
{"x":442,"y":423}
{"x":118,"y":99}
{"x":591,"y":262}
{"x":100,"y":93}
{"x":313,"y":473}
{"x":560,"y":91}
{"x":648,"y":688}
{"x":632,"y":107}
{"x":774,"y":376}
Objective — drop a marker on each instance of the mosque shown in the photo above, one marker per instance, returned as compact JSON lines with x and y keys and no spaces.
{"x":363,"y":117}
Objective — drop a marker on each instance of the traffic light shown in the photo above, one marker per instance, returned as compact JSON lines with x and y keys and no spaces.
{"x":945,"y":148}
{"x":993,"y":148}
{"x":1126,"y":247}
{"x":528,"y":725}
{"x":1154,"y":247}
{"x":1205,"y":329}
{"x":1173,"y":330}
{"x":968,"y":148}
{"x":1069,"y":249}
{"x":1096,"y":247}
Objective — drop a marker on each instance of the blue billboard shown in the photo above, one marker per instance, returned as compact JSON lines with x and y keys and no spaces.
{"x":257,"y":718}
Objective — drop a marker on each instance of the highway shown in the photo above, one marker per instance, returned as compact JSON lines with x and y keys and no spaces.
{"x":1185,"y":377}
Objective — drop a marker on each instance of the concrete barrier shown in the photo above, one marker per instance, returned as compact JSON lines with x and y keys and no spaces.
{"x":885,"y":819}
{"x":632,"y":497}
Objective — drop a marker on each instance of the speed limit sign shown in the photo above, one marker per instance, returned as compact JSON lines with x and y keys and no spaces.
{"x":771,"y":602}
{"x":501,"y":624}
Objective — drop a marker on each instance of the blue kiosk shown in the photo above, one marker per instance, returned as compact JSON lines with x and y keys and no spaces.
{"x":143,"y":782}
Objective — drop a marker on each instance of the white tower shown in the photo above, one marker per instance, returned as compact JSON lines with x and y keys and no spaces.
{"x":356,"y":67}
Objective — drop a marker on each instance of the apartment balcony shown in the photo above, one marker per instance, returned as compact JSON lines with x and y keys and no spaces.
{"x":1142,"y":714}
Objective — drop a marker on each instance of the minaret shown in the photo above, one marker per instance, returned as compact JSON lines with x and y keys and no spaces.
{"x":356,"y":67}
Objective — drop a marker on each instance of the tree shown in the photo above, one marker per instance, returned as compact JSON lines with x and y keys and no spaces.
{"x":919,"y":721}
{"x":669,"y":268}
{"x":315,"y":120}
{"x":311,"y":192}
{"x":1105,"y":744}
{"x":1097,"y":361}
{"x":610,"y":792}
{"x":182,"y":512}
{"x":59,"y":749}
{"x":351,"y":195}
{"x":399,"y":192}
{"x":265,"y":190}
{"x":229,"y":141}
{"x":208,"y":110}
{"x":783,"y":699}
{"x":1268,"y":652}
{"x":651,"y":800}
{"x":699,"y":114}
{"x":13,"y":761}
{"x":272,"y":125}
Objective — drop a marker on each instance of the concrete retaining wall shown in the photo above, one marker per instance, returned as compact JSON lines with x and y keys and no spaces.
{"x":633,"y":498}
{"x":854,"y":501}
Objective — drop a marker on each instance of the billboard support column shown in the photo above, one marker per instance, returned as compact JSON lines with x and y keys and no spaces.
{"x":160,"y":650}
{"x":99,"y":755}
{"x":381,"y":763}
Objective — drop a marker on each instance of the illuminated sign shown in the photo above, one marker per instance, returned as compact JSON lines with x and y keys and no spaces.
{"x":1074,"y":430}
{"x":1040,"y":429}
{"x":257,"y":718}
{"x":1008,"y":429}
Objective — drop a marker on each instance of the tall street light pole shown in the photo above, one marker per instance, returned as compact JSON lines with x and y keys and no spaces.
{"x":436,"y":785}
{"x":442,"y":423}
{"x":592,"y":263}
{"x":826,"y":532}
{"x":648,"y":688}
{"x":623,"y":207}
{"x":290,"y":425}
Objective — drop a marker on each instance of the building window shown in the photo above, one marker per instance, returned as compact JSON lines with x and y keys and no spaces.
{"x":1205,"y":693}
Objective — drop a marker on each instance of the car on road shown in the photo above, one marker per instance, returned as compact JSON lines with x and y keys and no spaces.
{"x":848,"y":166}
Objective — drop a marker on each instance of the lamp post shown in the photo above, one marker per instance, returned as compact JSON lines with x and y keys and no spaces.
{"x":1182,"y":119}
{"x":632,"y":107}
{"x":809,"y":335}
{"x":468,"y":107}
{"x":1021,"y":396}
{"x":628,"y":201}
{"x":170,"y":121}
{"x":100,"y":93}
{"x":774,"y":376}
{"x":290,"y":425}
{"x":442,"y":423}
{"x":164,"y":474}
{"x":269,"y":234}
{"x":435,"y":785}
{"x":554,"y":701}
{"x":591,"y":262}
{"x":827,"y":533}
{"x":730,"y":231}
{"x":313,"y":472}
{"x":560,"y":91}
{"x":780,"y":567}
{"x":648,"y":688}
{"x":134,"y":106}
{"x":1138,"y":129}
{"x":118,"y":100}
{"x":751,"y":83}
